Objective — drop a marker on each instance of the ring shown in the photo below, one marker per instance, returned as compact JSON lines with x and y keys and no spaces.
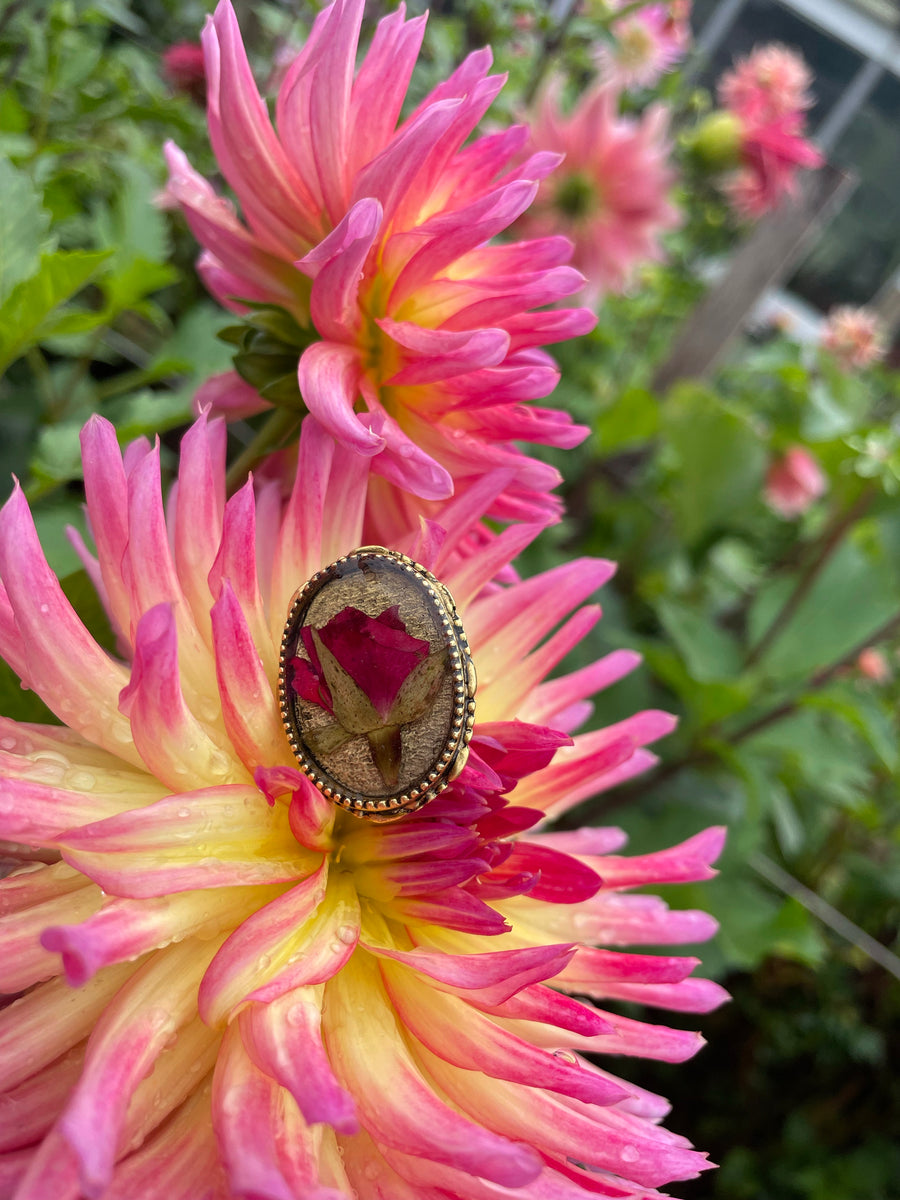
{"x":376,"y":684}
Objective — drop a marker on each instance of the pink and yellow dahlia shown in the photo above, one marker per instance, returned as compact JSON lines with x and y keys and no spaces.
{"x":423,"y":342}
{"x":645,"y":44}
{"x":217,"y":984}
{"x":854,"y":337}
{"x":611,"y":195}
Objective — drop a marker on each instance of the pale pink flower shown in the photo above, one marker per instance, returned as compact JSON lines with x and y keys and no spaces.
{"x":794,"y":482}
{"x":611,"y":196}
{"x":873,"y":665}
{"x":766,"y":95}
{"x":377,"y":237}
{"x":646,"y":44}
{"x":854,"y":337}
{"x":771,"y":82}
{"x":218,"y":984}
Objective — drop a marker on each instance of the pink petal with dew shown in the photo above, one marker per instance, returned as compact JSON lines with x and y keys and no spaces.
{"x":411,"y":839}
{"x":517,"y":684}
{"x":380,"y":86}
{"x":367,"y":1050}
{"x":488,"y":978}
{"x":80,"y":685}
{"x":174,"y":745}
{"x":106,"y":492}
{"x":182,"y":1065}
{"x":48,"y":1021}
{"x":37,"y":814}
{"x":471,"y":576}
{"x":35,"y":884}
{"x":91,"y":567}
{"x":545,"y":426}
{"x":436,"y":354}
{"x":236,"y":562}
{"x":452,"y":907}
{"x":490,"y":302}
{"x":460,"y":1034}
{"x":179,"y":1161}
{"x":311,"y":816}
{"x":123,"y":930}
{"x":686,"y":863}
{"x":25,"y":960}
{"x":686,"y":995}
{"x":227,"y":395}
{"x":247,"y":266}
{"x":329,"y":375}
{"x":152,"y":576}
{"x":209,"y":838}
{"x":391,"y":881}
{"x":560,"y":1128}
{"x":617,"y":920}
{"x":369,"y":1174}
{"x":590,"y":839}
{"x":283,"y":1038}
{"x":273,"y":197}
{"x":450,"y":1182}
{"x":560,"y":879}
{"x":551,"y":1016}
{"x":124,"y":1046}
{"x":49,"y":1170}
{"x":336,"y":266}
{"x":267,"y":1149}
{"x":198,"y":514}
{"x":29,"y":1109}
{"x":301,"y":938}
{"x":554,"y":695}
{"x":249,"y":706}
{"x":543,"y":328}
{"x":404,"y":463}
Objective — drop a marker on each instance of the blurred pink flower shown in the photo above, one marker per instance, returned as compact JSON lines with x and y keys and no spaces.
{"x":220,"y":985}
{"x":182,"y":66}
{"x":873,"y":664}
{"x":771,"y":82}
{"x":794,"y":482}
{"x":646,"y":44}
{"x":854,"y":337}
{"x":611,"y":196}
{"x":767,"y":96}
{"x":377,"y":238}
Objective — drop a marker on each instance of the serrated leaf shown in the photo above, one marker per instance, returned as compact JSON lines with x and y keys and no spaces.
{"x":23,"y":228}
{"x":27,"y":313}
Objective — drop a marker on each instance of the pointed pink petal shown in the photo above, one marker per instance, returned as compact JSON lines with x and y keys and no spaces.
{"x":329,"y":374}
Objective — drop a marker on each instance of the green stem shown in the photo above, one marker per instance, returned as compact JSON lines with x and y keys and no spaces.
{"x":280,"y":424}
{"x":827,"y":546}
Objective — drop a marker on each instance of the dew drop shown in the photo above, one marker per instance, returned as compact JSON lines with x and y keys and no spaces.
{"x":264,"y":962}
{"x":370,"y":1171}
{"x":8,"y":743}
{"x":83,"y":781}
{"x":566,"y":1056}
{"x":296,"y":1015}
{"x":629,"y":1154}
{"x":347,"y":934}
{"x":45,"y":608}
{"x":184,"y":813}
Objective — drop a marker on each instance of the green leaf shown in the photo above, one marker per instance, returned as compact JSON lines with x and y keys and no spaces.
{"x":148,"y":413}
{"x":27,"y":313}
{"x":710,"y":654}
{"x":719,"y":460}
{"x":633,"y":418}
{"x":23,"y":228}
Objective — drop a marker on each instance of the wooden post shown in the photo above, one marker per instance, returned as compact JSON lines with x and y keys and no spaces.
{"x":763,"y":261}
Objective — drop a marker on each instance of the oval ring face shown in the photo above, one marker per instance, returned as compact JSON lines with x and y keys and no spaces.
{"x":376,"y":683}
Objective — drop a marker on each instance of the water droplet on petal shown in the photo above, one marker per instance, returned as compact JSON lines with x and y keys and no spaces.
{"x":567,"y":1056}
{"x":45,"y":608}
{"x":8,"y":743}
{"x":629,"y":1154}
{"x":184,"y":813}
{"x":347,"y":934}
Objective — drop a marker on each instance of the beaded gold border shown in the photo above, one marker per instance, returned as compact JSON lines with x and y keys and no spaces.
{"x":455,"y":752}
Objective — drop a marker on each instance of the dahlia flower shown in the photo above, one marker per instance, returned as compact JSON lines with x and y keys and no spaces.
{"x":419,"y":342}
{"x":646,"y":43}
{"x":854,"y":337}
{"x":765,"y":97}
{"x":794,"y":482}
{"x":220,"y":985}
{"x":611,"y":196}
{"x":182,"y":66}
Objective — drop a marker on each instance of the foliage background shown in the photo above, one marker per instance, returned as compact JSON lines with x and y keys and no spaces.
{"x":750,"y":625}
